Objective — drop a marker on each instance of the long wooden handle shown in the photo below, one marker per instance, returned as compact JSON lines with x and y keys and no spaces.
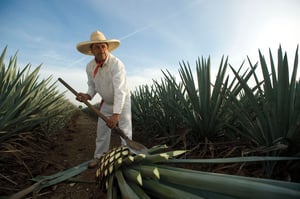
{"x":84,"y":101}
{"x":134,"y":147}
{"x":117,"y":129}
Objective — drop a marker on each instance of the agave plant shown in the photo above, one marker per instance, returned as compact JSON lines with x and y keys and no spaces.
{"x":125,"y":175}
{"x":27,"y":103}
{"x":30,"y":110}
{"x":189,"y":104}
{"x":201,"y":103}
{"x":168,"y":95}
{"x":144,"y":109}
{"x":154,"y":108}
{"x":271,"y":114}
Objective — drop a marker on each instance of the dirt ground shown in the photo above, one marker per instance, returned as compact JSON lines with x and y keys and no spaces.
{"x":73,"y":146}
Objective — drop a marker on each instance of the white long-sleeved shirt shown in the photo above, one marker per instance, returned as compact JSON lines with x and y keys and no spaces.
{"x":110,"y":82}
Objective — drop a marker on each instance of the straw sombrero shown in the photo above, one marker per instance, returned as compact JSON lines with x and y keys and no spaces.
{"x":97,"y":37}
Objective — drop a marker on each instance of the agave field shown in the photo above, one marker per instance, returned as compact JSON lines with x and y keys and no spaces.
{"x":235,"y":137}
{"x":31,"y":110}
{"x":194,"y":112}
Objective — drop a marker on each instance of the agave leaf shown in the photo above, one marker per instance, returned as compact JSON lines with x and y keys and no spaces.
{"x":139,"y":191}
{"x":160,"y":157}
{"x":129,"y":160}
{"x":199,"y":192}
{"x":61,"y":176}
{"x":244,"y":187}
{"x":157,"y":149}
{"x":148,"y":171}
{"x":133,"y":176}
{"x":231,"y":160}
{"x":111,"y":190}
{"x":2,"y":57}
{"x":156,"y":188}
{"x":126,"y":190}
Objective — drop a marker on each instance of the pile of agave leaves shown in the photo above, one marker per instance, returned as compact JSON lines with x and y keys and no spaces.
{"x":122,"y":174}
{"x":125,"y":175}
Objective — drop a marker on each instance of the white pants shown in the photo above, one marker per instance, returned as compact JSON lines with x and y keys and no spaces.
{"x":104,"y":133}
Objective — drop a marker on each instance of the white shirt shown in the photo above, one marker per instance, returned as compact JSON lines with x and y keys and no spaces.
{"x":110,"y":82}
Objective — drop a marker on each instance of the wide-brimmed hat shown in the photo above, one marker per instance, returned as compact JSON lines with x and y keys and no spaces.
{"x":97,"y":37}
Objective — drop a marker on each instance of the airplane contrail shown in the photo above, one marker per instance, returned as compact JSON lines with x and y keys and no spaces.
{"x":164,"y":20}
{"x":136,"y":31}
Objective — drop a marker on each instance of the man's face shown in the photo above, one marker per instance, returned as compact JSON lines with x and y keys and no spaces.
{"x":100,"y":51}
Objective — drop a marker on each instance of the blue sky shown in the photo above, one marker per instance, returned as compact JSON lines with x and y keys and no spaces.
{"x":155,"y":35}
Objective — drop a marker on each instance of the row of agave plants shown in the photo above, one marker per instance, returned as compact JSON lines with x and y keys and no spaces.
{"x":264,"y":114}
{"x":208,"y":112}
{"x":31,"y":110}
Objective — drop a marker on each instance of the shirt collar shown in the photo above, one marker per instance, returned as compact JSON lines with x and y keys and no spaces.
{"x":102,"y":62}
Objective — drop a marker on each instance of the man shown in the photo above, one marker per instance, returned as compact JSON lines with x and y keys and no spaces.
{"x":107,"y":77}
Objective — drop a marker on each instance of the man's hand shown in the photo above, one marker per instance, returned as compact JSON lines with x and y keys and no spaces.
{"x":82,"y":97}
{"x":112,"y":121}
